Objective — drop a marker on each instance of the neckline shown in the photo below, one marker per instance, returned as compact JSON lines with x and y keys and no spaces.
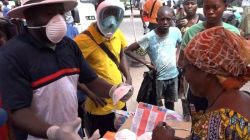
{"x":225,"y":108}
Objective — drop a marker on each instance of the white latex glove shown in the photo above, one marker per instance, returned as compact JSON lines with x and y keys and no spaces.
{"x":67,"y":131}
{"x":121,"y":92}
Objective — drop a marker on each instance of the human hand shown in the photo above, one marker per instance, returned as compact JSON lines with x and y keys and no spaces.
{"x":129,"y":81}
{"x":150,"y":66}
{"x":99,"y":101}
{"x":182,"y":22}
{"x":67,"y":131}
{"x":121,"y":92}
{"x":163,"y":132}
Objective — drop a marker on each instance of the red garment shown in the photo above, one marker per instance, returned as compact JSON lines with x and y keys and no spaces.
{"x":4,"y":128}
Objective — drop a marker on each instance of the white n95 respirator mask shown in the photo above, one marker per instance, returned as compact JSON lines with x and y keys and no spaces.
{"x":56,"y":28}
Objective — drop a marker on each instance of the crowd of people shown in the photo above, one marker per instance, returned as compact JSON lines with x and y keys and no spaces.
{"x":54,"y":77}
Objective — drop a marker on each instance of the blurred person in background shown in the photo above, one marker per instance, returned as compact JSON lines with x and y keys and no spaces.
{"x":151,"y":8}
{"x":184,"y":22}
{"x":71,"y":28}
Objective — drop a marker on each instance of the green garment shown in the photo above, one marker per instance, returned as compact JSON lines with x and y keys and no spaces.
{"x":195,"y":29}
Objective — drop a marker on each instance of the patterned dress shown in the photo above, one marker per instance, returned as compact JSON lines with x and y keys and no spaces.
{"x":222,"y":124}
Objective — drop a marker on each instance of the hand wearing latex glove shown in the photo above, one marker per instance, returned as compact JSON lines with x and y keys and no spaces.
{"x":121,"y":92}
{"x":67,"y":131}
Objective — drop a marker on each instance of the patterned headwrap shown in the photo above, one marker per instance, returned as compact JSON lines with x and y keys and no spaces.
{"x":223,"y":53}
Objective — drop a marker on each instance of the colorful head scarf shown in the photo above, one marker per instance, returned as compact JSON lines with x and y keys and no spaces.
{"x":223,"y":53}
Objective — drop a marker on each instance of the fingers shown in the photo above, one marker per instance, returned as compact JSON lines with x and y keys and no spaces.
{"x":128,"y":95}
{"x":99,"y":102}
{"x":182,"y":22}
{"x":163,"y":124}
{"x":76,"y":123}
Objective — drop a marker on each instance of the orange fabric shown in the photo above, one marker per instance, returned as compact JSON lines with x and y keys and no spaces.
{"x":223,"y":53}
{"x":109,"y":135}
{"x":3,"y":129}
{"x":148,"y":6}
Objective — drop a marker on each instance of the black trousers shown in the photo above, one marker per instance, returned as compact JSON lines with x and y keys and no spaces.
{"x":102,"y":122}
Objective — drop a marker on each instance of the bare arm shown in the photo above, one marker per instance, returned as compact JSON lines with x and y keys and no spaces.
{"x":129,"y":51}
{"x":26,"y":119}
{"x":125,"y":68}
{"x":96,"y":99}
{"x":141,"y":15}
{"x":177,"y":52}
{"x":181,"y":57}
{"x":100,"y":87}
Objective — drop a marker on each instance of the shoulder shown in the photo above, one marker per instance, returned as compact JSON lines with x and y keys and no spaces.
{"x":12,"y":47}
{"x":194,"y":29}
{"x":198,"y":26}
{"x":118,"y":32}
{"x":174,"y":29}
{"x":201,"y":17}
{"x":231,"y":28}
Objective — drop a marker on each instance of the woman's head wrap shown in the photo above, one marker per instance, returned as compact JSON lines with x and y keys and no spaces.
{"x":223,"y":53}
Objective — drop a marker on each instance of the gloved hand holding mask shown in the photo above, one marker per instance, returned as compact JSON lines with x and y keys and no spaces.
{"x":121,"y":92}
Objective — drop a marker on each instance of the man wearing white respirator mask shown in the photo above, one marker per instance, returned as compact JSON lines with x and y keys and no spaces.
{"x":42,"y":69}
{"x":102,"y":45}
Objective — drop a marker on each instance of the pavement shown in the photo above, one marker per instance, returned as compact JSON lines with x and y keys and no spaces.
{"x":135,"y":12}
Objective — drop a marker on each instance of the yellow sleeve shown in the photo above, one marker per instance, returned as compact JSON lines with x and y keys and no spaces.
{"x":124,"y":42}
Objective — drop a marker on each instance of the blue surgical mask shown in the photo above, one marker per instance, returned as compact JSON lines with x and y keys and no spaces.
{"x":108,"y":26}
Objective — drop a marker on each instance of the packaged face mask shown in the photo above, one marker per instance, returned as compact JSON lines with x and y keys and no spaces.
{"x":120,"y":92}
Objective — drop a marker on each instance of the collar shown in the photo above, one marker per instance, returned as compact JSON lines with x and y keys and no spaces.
{"x":27,"y":37}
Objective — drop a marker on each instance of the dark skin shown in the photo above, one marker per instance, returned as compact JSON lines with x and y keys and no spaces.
{"x":164,"y":18}
{"x":190,"y":8}
{"x":207,"y":85}
{"x":25,"y":118}
{"x":213,"y":11}
{"x":31,"y":15}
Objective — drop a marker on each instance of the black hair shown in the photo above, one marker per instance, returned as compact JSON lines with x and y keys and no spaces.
{"x":168,"y":9}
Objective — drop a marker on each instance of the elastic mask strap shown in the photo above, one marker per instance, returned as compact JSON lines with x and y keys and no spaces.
{"x":36,"y":27}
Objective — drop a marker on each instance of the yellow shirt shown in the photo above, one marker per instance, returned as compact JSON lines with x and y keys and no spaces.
{"x":102,"y":64}
{"x":148,"y":6}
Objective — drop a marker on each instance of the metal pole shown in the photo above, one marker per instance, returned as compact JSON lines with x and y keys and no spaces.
{"x":132,"y":19}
